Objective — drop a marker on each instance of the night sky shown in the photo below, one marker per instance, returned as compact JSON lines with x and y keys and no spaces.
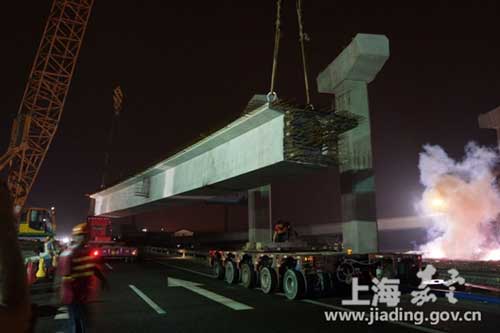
{"x":188,"y":66}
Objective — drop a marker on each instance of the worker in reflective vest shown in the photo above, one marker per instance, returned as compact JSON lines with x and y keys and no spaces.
{"x":281,"y":231}
{"x":77,"y":268}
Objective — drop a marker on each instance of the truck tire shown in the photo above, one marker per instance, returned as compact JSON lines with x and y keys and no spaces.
{"x":248,"y":276}
{"x":219,"y":270}
{"x":268,"y":280}
{"x":293,"y":284}
{"x":231,"y":273}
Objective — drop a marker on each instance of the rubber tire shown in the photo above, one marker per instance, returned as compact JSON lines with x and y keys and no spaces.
{"x":268,"y":280}
{"x":219,"y":270}
{"x":293,"y":284}
{"x":248,"y":276}
{"x":231,"y":272}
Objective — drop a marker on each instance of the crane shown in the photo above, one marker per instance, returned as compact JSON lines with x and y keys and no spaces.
{"x":44,"y":96}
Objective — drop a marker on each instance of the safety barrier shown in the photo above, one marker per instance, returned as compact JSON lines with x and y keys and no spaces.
{"x":149,"y":251}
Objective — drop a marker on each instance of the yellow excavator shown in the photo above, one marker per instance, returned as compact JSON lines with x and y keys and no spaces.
{"x":40,"y":111}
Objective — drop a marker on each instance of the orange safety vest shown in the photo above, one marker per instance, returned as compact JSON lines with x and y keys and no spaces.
{"x":280,"y":228}
{"x":76,"y":268}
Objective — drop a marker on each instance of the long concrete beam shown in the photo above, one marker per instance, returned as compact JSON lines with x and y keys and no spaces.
{"x":252,"y":142}
{"x":249,"y":152}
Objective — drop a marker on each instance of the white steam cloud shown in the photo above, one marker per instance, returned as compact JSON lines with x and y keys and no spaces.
{"x":463,"y":199}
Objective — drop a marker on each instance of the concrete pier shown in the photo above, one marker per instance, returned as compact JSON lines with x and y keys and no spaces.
{"x":347,"y":78}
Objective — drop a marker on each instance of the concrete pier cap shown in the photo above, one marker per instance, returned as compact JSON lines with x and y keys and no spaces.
{"x":360,"y":61}
{"x":347,"y":78}
{"x":491,"y":120}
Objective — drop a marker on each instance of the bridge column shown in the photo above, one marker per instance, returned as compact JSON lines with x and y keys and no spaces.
{"x":491,"y":120}
{"x":347,"y":78}
{"x":259,"y":216}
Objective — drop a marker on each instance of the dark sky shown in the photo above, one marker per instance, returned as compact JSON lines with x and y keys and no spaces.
{"x":186,"y":66}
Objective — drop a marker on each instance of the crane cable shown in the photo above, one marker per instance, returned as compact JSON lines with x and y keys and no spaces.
{"x":271,"y":96}
{"x":302,"y":38}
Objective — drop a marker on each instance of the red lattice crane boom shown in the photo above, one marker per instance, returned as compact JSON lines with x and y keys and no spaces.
{"x":45,"y":94}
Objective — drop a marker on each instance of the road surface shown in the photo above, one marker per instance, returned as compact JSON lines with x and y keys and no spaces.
{"x":177,"y":295}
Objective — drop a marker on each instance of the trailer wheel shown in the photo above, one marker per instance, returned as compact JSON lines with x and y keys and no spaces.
{"x":268,"y":280}
{"x":218,"y":270}
{"x":248,"y":275}
{"x":231,"y":272}
{"x":293,"y":284}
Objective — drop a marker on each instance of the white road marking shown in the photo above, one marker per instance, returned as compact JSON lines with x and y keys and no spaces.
{"x":420,"y":328}
{"x":61,"y":316}
{"x":194,"y":287}
{"x":148,"y":300}
{"x":62,"y":313}
{"x":108,"y":266}
{"x":188,"y":270}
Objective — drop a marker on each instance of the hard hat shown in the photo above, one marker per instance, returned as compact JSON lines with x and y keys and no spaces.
{"x":80,"y":229}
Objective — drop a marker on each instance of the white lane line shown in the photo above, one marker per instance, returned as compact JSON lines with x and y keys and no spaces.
{"x":188,"y":270}
{"x":148,"y":300}
{"x":415,"y":327}
{"x":108,"y":266}
{"x":194,"y":287}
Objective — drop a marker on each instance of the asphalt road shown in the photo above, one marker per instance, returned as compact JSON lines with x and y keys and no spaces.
{"x":141,"y":300}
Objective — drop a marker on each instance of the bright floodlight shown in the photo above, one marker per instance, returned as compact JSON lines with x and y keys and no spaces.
{"x":438,"y":203}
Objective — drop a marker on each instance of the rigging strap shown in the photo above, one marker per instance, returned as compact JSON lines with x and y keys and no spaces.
{"x":302,"y":38}
{"x":277,"y":35}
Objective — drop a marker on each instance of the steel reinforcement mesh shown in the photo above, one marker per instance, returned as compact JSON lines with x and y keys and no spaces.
{"x":312,"y":136}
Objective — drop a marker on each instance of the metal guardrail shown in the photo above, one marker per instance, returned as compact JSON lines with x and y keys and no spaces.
{"x":163,"y":251}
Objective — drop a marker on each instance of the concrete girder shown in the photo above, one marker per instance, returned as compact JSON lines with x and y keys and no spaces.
{"x":252,"y":142}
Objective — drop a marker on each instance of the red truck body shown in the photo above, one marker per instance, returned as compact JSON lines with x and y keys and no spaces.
{"x":100,"y":228}
{"x":102,"y":244}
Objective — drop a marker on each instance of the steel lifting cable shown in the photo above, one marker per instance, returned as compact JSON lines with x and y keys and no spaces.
{"x":271,"y":96}
{"x":302,"y":38}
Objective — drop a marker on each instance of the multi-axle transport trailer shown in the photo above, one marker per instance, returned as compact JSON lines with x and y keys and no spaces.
{"x":301,"y":273}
